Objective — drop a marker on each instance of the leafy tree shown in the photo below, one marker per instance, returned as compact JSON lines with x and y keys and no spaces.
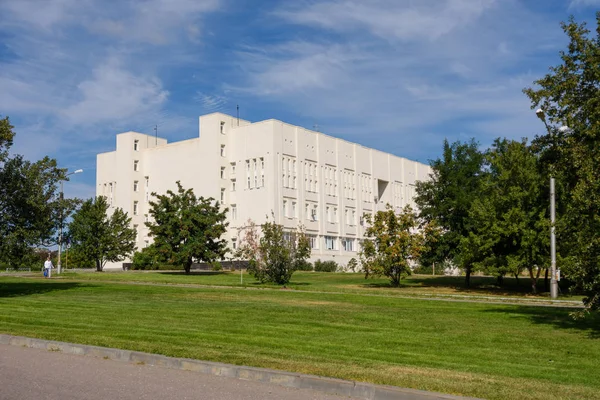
{"x":187,"y":228}
{"x":569,"y":95}
{"x":447,"y":198}
{"x":391,"y":244}
{"x":29,"y":203}
{"x":97,"y":236}
{"x":274,"y":255}
{"x":144,"y":259}
{"x":510,"y":218}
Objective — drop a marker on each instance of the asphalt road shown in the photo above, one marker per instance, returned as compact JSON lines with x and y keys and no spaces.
{"x":35,"y":374}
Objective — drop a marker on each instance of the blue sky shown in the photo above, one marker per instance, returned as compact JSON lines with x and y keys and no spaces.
{"x":396,"y":75}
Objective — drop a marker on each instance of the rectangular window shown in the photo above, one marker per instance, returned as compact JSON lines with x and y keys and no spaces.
{"x":222,"y":195}
{"x":353,"y":220}
{"x":135,"y":186}
{"x":285,"y":214}
{"x":233,"y":185}
{"x":262,"y":172}
{"x":313,"y":240}
{"x":222,"y":150}
{"x":222,"y":127}
{"x":255,"y":174}
{"x":307,"y":211}
{"x":348,"y":244}
{"x":147,"y":189}
{"x":248,"y":172}
{"x":330,"y":243}
{"x":136,"y":165}
{"x":222,"y":172}
{"x":135,"y":208}
{"x":136,"y":145}
{"x":232,"y":169}
{"x":315,"y":213}
{"x":146,"y":218}
{"x":294,"y":210}
{"x":233,"y":212}
{"x":234,"y":244}
{"x":335,"y":218}
{"x":328,"y":213}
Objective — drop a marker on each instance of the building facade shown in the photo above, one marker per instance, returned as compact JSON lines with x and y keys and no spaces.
{"x":261,"y":170}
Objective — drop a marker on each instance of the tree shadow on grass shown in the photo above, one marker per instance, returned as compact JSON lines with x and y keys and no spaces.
{"x":482,"y":285}
{"x":561,"y":318}
{"x":14,"y":289}
{"x":195,"y":273}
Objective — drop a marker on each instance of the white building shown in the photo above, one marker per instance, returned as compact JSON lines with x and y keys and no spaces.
{"x":261,"y":169}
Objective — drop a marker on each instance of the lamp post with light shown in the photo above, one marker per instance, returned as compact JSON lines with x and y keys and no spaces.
{"x":554,"y":276}
{"x":60,"y":234}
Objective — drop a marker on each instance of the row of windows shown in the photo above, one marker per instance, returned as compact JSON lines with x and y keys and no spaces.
{"x":332,"y":243}
{"x":254,"y":167}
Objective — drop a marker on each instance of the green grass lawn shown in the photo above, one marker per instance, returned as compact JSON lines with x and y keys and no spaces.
{"x":416,"y":285}
{"x":475,"y":349}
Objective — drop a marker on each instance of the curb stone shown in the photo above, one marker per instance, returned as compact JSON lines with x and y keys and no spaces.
{"x":359,"y":390}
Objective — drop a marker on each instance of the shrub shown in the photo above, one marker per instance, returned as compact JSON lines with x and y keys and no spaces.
{"x":352,"y":265}
{"x":144,"y":260}
{"x":325,"y":266}
{"x":216,"y":266}
{"x":304,"y":266}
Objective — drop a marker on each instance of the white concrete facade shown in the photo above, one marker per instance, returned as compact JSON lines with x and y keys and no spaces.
{"x":261,"y":169}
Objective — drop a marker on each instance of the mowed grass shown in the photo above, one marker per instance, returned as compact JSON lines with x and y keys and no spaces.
{"x":473,"y":349}
{"x":415,"y":285}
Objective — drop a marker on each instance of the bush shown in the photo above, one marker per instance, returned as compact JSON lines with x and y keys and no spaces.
{"x":352,"y":265}
{"x":428,"y":270}
{"x":325,"y":266}
{"x":144,"y":260}
{"x":216,"y":266}
{"x":304,"y":266}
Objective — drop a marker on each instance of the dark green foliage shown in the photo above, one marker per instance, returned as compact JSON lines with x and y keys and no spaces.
{"x":325,"y":266}
{"x":446,"y":200}
{"x":305,"y":266}
{"x":144,"y":259}
{"x":29,"y":202}
{"x":570,"y":96}
{"x":187,"y":228}
{"x":100,"y":237}
{"x":510,"y":230}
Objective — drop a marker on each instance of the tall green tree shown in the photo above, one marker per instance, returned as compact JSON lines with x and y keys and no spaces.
{"x":100,"y":237}
{"x":29,"y":202}
{"x":510,"y":229}
{"x":446,"y":198}
{"x":274,"y":254}
{"x":392,"y":243}
{"x":186,"y":228}
{"x":569,"y":95}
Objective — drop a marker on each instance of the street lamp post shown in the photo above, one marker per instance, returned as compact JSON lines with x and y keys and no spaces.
{"x":60,"y":234}
{"x":553,"y":278}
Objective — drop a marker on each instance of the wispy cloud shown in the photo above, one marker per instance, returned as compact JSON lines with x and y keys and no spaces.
{"x":404,"y":72}
{"x":584,"y":3}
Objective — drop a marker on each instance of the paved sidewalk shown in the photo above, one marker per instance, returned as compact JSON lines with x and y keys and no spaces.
{"x":114,"y":369}
{"x":37,"y":374}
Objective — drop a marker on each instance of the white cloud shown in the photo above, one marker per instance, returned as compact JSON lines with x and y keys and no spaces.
{"x":115,"y":94}
{"x":404,"y":72}
{"x":390,"y":19}
{"x":584,"y":3}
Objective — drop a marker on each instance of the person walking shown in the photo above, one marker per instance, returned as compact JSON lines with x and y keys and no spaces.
{"x":48,"y":267}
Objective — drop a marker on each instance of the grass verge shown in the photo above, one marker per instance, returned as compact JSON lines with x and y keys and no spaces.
{"x":482,"y":350}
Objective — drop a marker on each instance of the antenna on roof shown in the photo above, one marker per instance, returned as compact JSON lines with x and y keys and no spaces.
{"x":237,"y":106}
{"x":156,"y":134}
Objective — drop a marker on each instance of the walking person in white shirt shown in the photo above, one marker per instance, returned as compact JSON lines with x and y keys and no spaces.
{"x":48,"y":267}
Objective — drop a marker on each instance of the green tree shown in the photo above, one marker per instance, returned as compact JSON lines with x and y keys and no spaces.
{"x":447,"y":198}
{"x":275,"y":254}
{"x":510,"y":218}
{"x":29,"y":203}
{"x":187,"y":228}
{"x":569,"y":95}
{"x":391,"y":244}
{"x":97,"y":236}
